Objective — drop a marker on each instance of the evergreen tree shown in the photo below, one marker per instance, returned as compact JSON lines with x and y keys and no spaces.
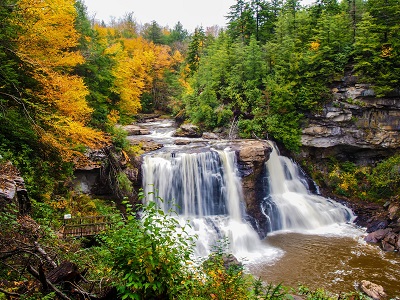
{"x":195,"y":50}
{"x":153,"y":32}
{"x":178,"y":33}
{"x":241,"y":21}
{"x":376,"y":54}
{"x":266,"y":14}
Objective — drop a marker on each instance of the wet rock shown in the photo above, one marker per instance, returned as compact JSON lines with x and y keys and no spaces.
{"x":210,"y":136}
{"x":390,"y":238}
{"x":393,"y":211}
{"x":252,"y":151}
{"x":373,"y":290}
{"x":390,"y":242}
{"x":251,"y":157}
{"x":388,"y":247}
{"x":230,"y":261}
{"x":377,"y":236}
{"x":136,"y":130}
{"x":182,"y":142}
{"x":188,"y":130}
{"x":149,"y":146}
{"x":395,"y":228}
{"x":376,"y":225}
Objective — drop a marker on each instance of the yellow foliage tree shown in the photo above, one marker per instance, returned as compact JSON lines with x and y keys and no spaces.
{"x":139,"y":67}
{"x":47,"y":43}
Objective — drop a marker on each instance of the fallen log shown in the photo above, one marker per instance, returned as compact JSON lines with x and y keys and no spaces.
{"x":66,"y":271}
{"x":47,"y":283}
{"x":44,"y":254}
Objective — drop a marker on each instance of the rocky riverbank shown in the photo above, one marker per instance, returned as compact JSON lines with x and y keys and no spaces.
{"x":383,"y":227}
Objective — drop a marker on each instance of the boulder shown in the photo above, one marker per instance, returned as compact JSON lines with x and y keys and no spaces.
{"x":210,"y":136}
{"x":230,"y":261}
{"x":254,"y":152}
{"x":136,"y":130}
{"x":393,"y":211}
{"x":7,"y":188}
{"x":388,"y":247}
{"x":182,"y":142}
{"x":373,"y":290}
{"x":149,"y":146}
{"x":390,"y":238}
{"x":188,"y":130}
{"x":389,"y":242}
{"x":377,"y":236}
{"x":376,"y":225}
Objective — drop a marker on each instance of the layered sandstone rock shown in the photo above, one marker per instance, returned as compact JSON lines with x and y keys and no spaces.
{"x":355,"y":126}
{"x":251,"y":157}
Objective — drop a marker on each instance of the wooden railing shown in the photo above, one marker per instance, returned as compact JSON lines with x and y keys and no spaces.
{"x":87,"y":226}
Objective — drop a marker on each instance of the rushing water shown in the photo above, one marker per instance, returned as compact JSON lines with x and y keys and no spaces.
{"x":289,"y":204}
{"x":203,"y":187}
{"x":311,"y":238}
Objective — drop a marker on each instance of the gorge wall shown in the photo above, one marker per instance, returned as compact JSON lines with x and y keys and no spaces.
{"x":356,"y":126}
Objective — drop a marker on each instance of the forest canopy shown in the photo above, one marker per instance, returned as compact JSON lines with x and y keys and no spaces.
{"x":66,"y":80}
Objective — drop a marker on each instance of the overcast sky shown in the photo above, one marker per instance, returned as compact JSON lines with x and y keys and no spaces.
{"x":191,"y":13}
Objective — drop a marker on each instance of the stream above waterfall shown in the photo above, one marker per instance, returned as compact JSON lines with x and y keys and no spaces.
{"x":311,"y":239}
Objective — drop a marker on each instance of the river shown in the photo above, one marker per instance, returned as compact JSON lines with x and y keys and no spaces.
{"x":313,"y":240}
{"x":336,"y":263}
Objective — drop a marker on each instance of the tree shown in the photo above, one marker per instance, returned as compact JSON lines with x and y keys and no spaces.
{"x":241,"y":21}
{"x":47,"y":42}
{"x":178,"y":33}
{"x":128,"y":26}
{"x":148,"y":256}
{"x":376,"y":55}
{"x":291,"y":7}
{"x":266,"y":14}
{"x":153,"y":32}
{"x":195,"y":50}
{"x":386,"y":17}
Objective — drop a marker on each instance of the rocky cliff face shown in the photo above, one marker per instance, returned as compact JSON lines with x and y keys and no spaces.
{"x":12,"y":189}
{"x":251,"y":158}
{"x":356,"y":126}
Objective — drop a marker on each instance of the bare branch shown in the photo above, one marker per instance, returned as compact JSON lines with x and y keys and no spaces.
{"x":35,"y":274}
{"x":44,"y":254}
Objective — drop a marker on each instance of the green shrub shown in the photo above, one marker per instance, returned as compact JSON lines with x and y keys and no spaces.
{"x":148,"y":256}
{"x":385,"y":177}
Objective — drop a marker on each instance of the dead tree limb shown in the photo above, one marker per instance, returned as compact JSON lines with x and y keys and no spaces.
{"x":44,"y":254}
{"x":35,"y":274}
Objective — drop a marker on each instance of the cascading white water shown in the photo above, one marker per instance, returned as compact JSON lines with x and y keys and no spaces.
{"x":290,"y":206}
{"x":205,"y":189}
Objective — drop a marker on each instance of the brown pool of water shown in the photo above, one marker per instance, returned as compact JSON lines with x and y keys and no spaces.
{"x":337,"y":264}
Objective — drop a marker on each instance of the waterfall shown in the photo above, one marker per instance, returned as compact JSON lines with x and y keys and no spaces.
{"x":194,"y":184}
{"x":205,"y":189}
{"x":290,"y":206}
